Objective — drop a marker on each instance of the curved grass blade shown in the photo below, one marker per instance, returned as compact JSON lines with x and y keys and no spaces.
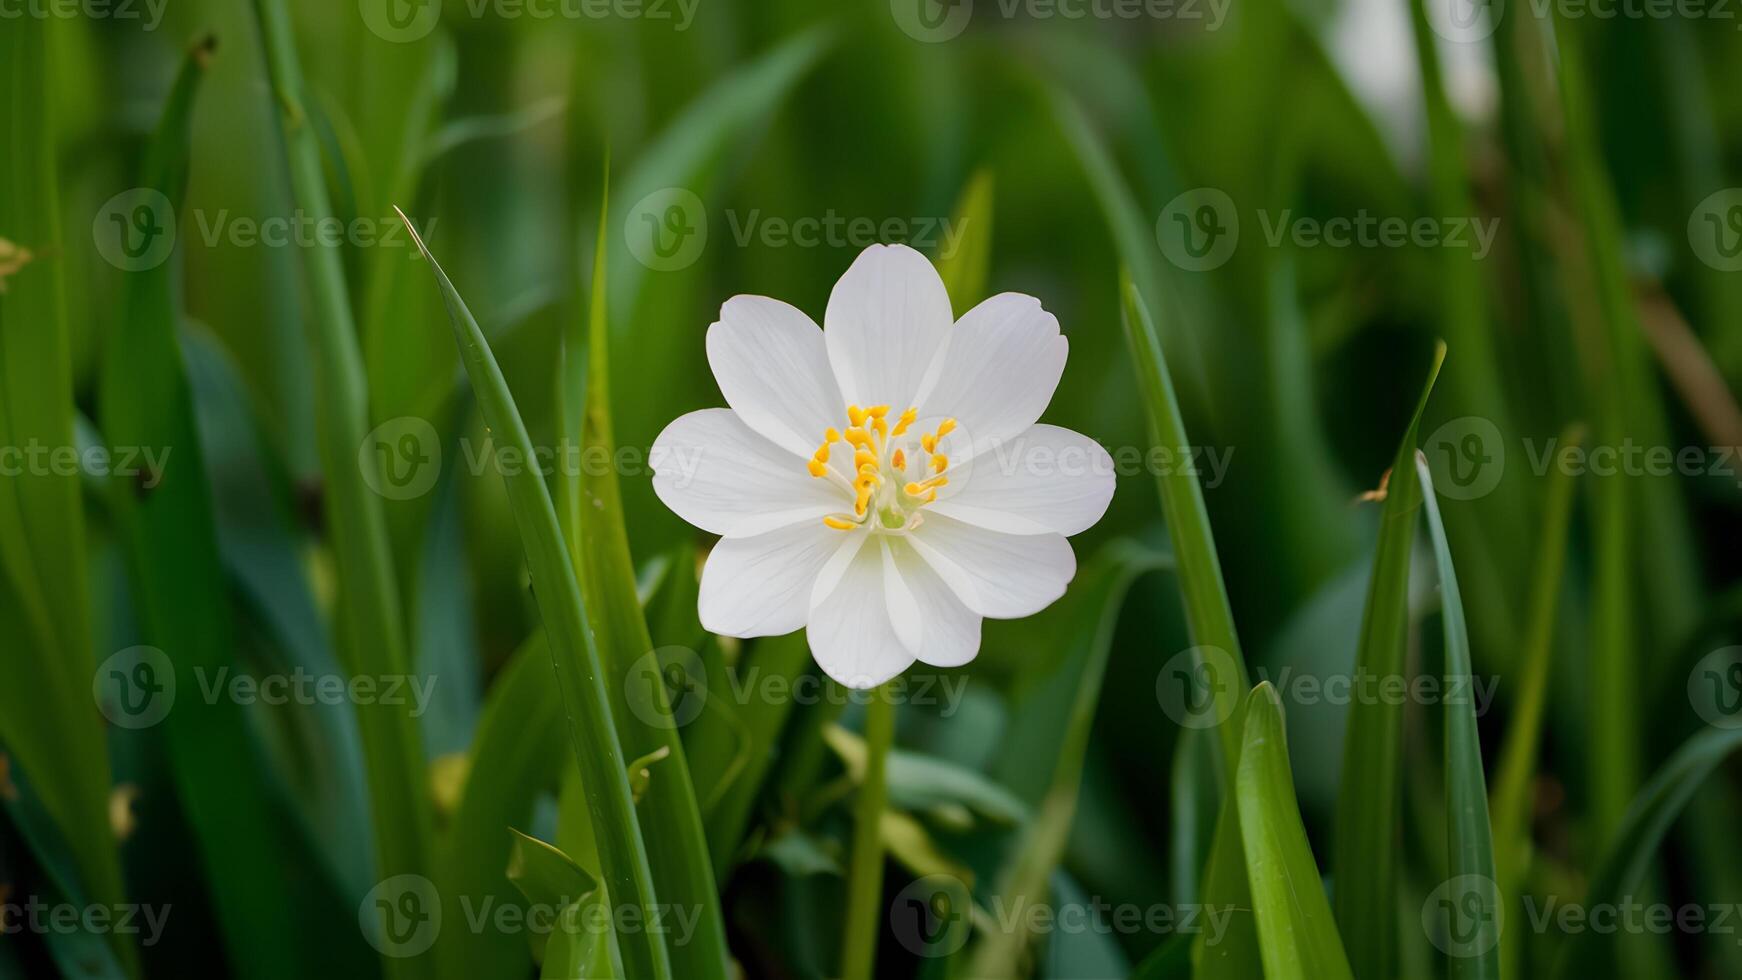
{"x":46,"y":716}
{"x":599,"y":545}
{"x":1588,"y":952}
{"x":579,"y":670}
{"x":1297,"y":936}
{"x":178,"y":578}
{"x":576,"y":950}
{"x":1469,"y":837}
{"x":1362,"y":854}
{"x":1098,"y":593}
{"x":374,"y":635}
{"x":964,"y":269}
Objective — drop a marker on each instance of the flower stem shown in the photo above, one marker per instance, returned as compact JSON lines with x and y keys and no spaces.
{"x":865,"y":875}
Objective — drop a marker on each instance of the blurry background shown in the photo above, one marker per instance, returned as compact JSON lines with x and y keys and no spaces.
{"x":1308,"y":194}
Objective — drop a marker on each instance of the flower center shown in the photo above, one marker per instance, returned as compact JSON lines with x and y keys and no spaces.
{"x":895,"y":472}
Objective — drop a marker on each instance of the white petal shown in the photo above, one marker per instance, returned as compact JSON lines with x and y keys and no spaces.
{"x":1002,"y":576}
{"x":998,"y":373}
{"x":885,"y":321}
{"x":771,"y":364}
{"x":761,"y":586}
{"x":950,"y":631}
{"x":903,"y":608}
{"x":1047,"y":479}
{"x":850,"y":632}
{"x":714,"y":472}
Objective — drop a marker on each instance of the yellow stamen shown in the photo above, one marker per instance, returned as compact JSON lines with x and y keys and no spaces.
{"x":831,"y":434}
{"x":839,"y":524}
{"x":929,"y":442}
{"x":878,"y":410}
{"x":917,"y":489}
{"x":856,"y":415}
{"x":822,"y":454}
{"x":862,"y":459}
{"x":858,"y":437}
{"x":817,"y":468}
{"x":906,"y":420}
{"x":938,"y":463}
{"x":946,"y":427}
{"x":900,"y":460}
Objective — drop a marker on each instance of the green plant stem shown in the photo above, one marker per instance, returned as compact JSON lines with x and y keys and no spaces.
{"x":865,"y":874}
{"x":373,"y":635}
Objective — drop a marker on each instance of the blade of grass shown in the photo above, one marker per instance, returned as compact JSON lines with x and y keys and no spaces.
{"x":374,"y":637}
{"x":180,"y":589}
{"x":964,"y":270}
{"x":1513,"y":781}
{"x":599,"y":547}
{"x":1098,"y":592}
{"x":46,"y":719}
{"x":1365,"y":827}
{"x":1469,"y":836}
{"x":579,"y":670}
{"x":1297,"y":936}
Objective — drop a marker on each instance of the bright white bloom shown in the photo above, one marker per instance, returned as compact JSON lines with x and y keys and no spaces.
{"x":882,"y":482}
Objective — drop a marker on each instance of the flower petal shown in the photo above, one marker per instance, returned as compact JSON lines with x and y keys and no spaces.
{"x":998,"y":373}
{"x":885,"y":321}
{"x":950,"y":631}
{"x":773,"y":367}
{"x":761,"y":586}
{"x":1002,"y":576}
{"x":1047,"y":479}
{"x":714,"y":472}
{"x":850,"y":632}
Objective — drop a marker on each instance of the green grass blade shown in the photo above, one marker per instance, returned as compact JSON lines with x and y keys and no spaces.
{"x":1469,"y":836}
{"x":1362,"y":851}
{"x":1297,"y":936}
{"x":46,"y":719}
{"x":1097,"y":594}
{"x":1513,"y":782}
{"x":181,"y":592}
{"x":1588,"y":952}
{"x":671,"y":816}
{"x":372,"y":630}
{"x":579,"y":670}
{"x":964,"y":270}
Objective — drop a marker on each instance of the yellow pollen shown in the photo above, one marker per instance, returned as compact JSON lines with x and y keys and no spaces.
{"x":918,"y":489}
{"x":906,"y":420}
{"x":856,"y":415}
{"x":839,"y":524}
{"x":938,"y":463}
{"x":946,"y":427}
{"x":858,"y":437}
{"x":900,"y":460}
{"x":863,"y":458}
{"x":817,"y":468}
{"x":929,"y":442}
{"x":831,"y":434}
{"x":822,"y":454}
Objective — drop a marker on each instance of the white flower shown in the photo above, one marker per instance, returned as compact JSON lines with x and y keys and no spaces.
{"x":882,"y":482}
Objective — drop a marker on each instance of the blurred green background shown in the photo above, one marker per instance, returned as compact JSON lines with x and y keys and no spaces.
{"x":1599,"y":146}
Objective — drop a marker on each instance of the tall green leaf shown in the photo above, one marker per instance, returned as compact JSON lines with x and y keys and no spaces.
{"x":1297,"y":936}
{"x":964,"y":270}
{"x":579,"y":668}
{"x":1469,"y":836}
{"x":1365,"y":830}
